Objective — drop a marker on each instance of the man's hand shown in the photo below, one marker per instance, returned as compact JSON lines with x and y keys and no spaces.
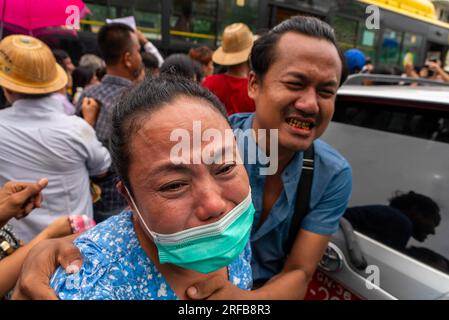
{"x":59,"y":228}
{"x":18,"y":199}
{"x":217,"y":288}
{"x":41,"y":263}
{"x":141,"y":37}
{"x":291,"y":285}
{"x":434,"y":66}
{"x":90,"y":109}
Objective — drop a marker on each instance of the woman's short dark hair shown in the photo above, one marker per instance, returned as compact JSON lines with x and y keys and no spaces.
{"x":178,"y":64}
{"x":81,"y":76}
{"x":60,"y":55}
{"x":137,"y":104}
{"x":263,"y":53}
{"x":201,"y":54}
{"x":150,"y":61}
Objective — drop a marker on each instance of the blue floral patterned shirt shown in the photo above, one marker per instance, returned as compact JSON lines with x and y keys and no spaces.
{"x":116,"y":267}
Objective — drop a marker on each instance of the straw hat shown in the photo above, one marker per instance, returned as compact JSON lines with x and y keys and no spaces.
{"x":236,"y":45}
{"x":28,"y":66}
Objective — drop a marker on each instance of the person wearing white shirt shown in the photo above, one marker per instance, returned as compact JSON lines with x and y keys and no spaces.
{"x":40,"y":140}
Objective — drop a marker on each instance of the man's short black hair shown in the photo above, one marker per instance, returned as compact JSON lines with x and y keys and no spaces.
{"x":263,"y":53}
{"x":178,"y":64}
{"x":113,"y":41}
{"x":423,"y":204}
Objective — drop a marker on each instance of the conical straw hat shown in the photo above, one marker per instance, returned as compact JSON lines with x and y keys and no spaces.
{"x":236,"y":45}
{"x":28,"y":66}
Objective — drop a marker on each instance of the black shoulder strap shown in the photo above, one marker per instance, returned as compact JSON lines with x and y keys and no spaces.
{"x":302,"y":196}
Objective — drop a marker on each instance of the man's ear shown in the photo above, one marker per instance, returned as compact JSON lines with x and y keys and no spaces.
{"x":127,"y":59}
{"x":122,"y":190}
{"x":253,"y":85}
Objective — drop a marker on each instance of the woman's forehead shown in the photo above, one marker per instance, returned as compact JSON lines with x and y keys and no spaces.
{"x":182,"y":112}
{"x":184,"y":117}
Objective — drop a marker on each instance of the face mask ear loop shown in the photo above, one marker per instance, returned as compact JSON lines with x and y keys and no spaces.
{"x":140,"y":216}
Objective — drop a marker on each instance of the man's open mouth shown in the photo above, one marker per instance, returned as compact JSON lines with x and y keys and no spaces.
{"x":303,"y":125}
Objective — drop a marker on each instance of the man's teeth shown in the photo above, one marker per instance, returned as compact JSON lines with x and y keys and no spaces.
{"x":299,"y":124}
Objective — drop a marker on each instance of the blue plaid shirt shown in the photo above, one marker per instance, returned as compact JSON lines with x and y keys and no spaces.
{"x":107,"y":93}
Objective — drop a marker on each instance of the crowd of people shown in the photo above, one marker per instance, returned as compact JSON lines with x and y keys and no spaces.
{"x":358,"y":63}
{"x":92,"y":144}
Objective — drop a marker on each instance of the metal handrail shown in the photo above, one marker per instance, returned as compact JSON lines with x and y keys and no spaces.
{"x":357,"y":79}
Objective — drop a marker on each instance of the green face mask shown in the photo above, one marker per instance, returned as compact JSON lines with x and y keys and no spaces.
{"x":210,"y":247}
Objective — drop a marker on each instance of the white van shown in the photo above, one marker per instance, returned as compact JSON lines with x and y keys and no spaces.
{"x":396,"y":138}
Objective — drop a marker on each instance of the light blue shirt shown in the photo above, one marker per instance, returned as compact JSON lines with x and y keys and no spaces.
{"x":38,"y":140}
{"x":331,"y":190}
{"x":115,"y":267}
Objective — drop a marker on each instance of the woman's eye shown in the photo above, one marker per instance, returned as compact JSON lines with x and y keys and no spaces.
{"x":226,"y":168}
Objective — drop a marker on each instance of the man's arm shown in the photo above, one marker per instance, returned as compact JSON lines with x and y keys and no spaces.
{"x":149,"y":47}
{"x":298,"y":270}
{"x":98,"y":159}
{"x":11,"y":265}
{"x":290,"y":284}
{"x":309,"y":246}
{"x":40,"y":264}
{"x":434,"y":66}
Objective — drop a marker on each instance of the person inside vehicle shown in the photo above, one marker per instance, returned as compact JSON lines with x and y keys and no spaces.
{"x":137,"y":254}
{"x":297,"y":69}
{"x":355,"y":60}
{"x":407,"y":215}
{"x":436,"y":72}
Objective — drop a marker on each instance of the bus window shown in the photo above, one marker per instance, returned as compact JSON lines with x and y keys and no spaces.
{"x":194,"y":21}
{"x":346,"y":32}
{"x":147,"y":15}
{"x":412,"y":45}
{"x":367,"y":41}
{"x":231,"y":11}
{"x":391,"y":43}
{"x":148,"y":18}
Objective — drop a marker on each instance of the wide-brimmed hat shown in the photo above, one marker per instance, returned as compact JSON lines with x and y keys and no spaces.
{"x":236,"y":45}
{"x":28,"y":66}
